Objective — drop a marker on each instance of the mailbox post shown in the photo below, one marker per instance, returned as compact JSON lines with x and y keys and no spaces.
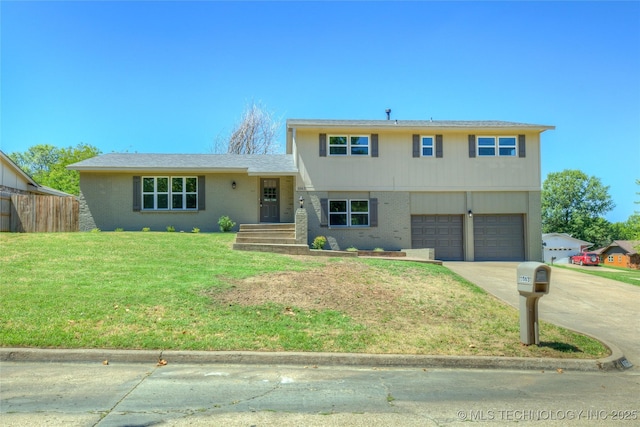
{"x":533,"y":282}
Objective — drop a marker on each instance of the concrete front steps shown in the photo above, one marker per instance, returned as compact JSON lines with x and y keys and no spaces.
{"x":278,"y":238}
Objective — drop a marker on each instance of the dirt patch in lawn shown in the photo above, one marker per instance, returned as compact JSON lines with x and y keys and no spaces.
{"x":362,"y":292}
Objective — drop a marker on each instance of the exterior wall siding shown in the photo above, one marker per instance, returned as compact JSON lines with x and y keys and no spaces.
{"x":10,"y":180}
{"x":396,"y":170}
{"x":106,"y":202}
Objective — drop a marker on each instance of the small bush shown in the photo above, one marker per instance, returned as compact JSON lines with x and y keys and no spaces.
{"x":195,"y":230}
{"x":378,"y":250}
{"x":319,"y":242}
{"x":96,"y":230}
{"x":146,"y":229}
{"x":225,"y":223}
{"x":171,"y":229}
{"x":119,"y":230}
{"x":352,"y":249}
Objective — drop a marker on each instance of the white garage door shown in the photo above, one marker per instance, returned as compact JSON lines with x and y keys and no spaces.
{"x":498,"y":237}
{"x":443,"y":233}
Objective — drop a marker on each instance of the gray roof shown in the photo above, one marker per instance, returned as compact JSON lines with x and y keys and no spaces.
{"x":438,"y":124}
{"x":253,"y":164}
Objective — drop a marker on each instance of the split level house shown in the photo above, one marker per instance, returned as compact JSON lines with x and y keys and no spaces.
{"x":470,"y":190}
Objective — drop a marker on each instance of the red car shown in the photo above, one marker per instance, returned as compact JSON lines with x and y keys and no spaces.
{"x":585,"y":258}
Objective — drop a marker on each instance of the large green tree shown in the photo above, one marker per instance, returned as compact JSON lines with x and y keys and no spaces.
{"x":47,"y":165}
{"x":575,"y":203}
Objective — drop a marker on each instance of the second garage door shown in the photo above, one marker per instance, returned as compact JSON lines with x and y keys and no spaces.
{"x":498,"y":237}
{"x":443,"y":233}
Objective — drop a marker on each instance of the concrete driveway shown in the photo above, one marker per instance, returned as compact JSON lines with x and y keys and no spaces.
{"x":603,"y":308}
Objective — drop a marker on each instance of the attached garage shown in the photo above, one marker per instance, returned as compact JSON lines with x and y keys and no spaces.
{"x":498,"y":237}
{"x":443,"y":233}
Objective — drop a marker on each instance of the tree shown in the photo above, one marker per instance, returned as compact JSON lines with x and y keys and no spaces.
{"x":257,"y":133}
{"x":575,"y":203}
{"x":47,"y":165}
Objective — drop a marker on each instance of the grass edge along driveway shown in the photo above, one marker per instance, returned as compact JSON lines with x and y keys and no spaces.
{"x":190,"y":291}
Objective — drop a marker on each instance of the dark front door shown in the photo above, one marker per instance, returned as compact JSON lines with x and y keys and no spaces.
{"x":269,"y":200}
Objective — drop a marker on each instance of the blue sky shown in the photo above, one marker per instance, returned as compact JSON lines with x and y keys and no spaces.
{"x":170,"y":77}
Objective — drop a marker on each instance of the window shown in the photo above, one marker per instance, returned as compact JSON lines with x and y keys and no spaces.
{"x":500,"y":146}
{"x":169,"y":193}
{"x":344,"y":145}
{"x":610,"y":259}
{"x":348,"y":213}
{"x":427,"y":146}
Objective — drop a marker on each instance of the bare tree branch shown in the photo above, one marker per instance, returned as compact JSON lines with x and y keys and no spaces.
{"x":257,"y":132}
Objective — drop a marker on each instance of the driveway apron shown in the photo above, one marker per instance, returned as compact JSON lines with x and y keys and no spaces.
{"x":603,"y":308}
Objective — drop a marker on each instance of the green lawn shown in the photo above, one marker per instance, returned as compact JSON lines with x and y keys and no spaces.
{"x":190,"y":291}
{"x":624,"y":275}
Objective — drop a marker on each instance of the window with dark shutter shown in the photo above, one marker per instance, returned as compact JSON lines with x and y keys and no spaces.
{"x":472,"y":145}
{"x":374,"y":145}
{"x":201,"y":203}
{"x":324,"y":212}
{"x":416,"y":145}
{"x":322,"y":140}
{"x":137,"y":194}
{"x":373,"y":212}
{"x":522,"y":146}
{"x":438,"y":145}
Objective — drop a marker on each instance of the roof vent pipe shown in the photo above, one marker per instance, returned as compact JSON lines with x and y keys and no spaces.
{"x":388,"y":111}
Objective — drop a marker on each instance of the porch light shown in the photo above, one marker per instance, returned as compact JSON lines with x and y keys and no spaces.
{"x":470,"y":214}
{"x":301,"y":200}
{"x":233,"y":185}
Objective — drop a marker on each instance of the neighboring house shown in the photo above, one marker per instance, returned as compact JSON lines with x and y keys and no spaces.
{"x":14,"y":180}
{"x":468,"y":189}
{"x":622,"y":253}
{"x":558,"y":247}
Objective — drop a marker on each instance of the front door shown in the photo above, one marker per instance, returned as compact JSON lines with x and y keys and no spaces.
{"x":269,"y":200}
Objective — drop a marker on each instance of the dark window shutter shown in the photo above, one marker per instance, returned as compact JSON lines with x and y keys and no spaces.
{"x":324,"y":215}
{"x":438,"y":145}
{"x":416,"y":145}
{"x":522,"y":146}
{"x":374,"y":145}
{"x":373,"y":212}
{"x":472,"y":145}
{"x":201,"y":201}
{"x":137,"y":194}
{"x":323,"y":144}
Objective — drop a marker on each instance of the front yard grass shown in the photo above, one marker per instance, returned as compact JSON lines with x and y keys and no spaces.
{"x":190,"y":291}
{"x":624,"y":275}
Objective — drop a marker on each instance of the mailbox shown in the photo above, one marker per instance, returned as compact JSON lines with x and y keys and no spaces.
{"x":534,"y":279}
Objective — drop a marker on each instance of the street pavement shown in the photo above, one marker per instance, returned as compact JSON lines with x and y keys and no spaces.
{"x":120,"y":388}
{"x":137,"y":394}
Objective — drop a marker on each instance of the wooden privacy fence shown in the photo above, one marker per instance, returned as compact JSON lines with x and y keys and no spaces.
{"x":32,"y":213}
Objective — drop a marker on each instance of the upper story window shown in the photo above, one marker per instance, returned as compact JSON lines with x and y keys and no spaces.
{"x":427,"y":144}
{"x":169,"y":193}
{"x":497,"y":146}
{"x":345,"y":145}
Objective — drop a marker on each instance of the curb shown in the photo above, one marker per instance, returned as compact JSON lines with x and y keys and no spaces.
{"x":616,"y":361}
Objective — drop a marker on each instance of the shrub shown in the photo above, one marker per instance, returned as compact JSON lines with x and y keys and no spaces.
{"x":96,"y":230}
{"x":319,"y":242}
{"x":225,"y":223}
{"x":171,"y":228}
{"x":195,"y":230}
{"x":352,"y":249}
{"x":119,"y":230}
{"x":146,"y":229}
{"x":378,"y":250}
